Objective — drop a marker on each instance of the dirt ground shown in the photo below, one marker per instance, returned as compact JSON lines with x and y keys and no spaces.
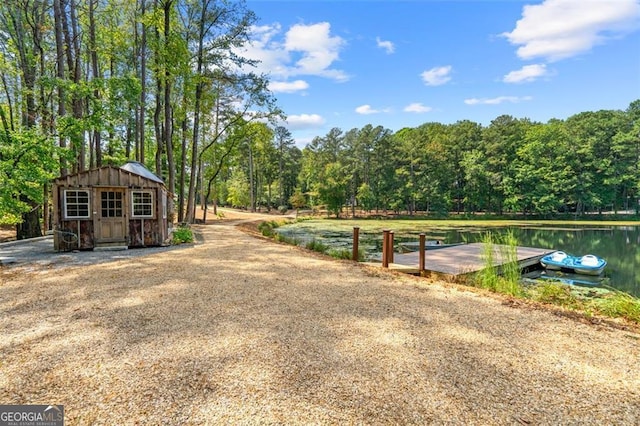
{"x":240,"y":330}
{"x":7,"y":233}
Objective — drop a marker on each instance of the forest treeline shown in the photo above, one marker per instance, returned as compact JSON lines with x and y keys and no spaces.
{"x":86,"y":84}
{"x":586,"y":163}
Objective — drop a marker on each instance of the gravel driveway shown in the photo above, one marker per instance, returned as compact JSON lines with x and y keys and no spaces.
{"x":38,"y":253}
{"x":239,"y":330}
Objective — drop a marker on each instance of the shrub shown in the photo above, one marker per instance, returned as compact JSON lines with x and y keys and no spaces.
{"x":283,"y":209}
{"x":182,"y":234}
{"x":318,"y":246}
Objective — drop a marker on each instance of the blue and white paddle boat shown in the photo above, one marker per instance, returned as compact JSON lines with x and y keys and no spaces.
{"x":586,"y":265}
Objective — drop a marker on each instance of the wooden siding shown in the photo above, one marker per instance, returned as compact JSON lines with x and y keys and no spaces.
{"x":106,"y":176}
{"x":68,"y":238}
{"x":152,"y":235}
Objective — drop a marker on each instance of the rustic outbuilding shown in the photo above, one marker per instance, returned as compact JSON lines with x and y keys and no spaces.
{"x":110,"y":207}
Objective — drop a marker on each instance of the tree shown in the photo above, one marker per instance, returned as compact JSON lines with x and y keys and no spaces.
{"x":298,"y":200}
{"x":28,"y":160}
{"x":365,"y":197}
{"x":463,"y":137}
{"x":238,"y":189}
{"x":284,"y":142}
{"x":23,"y":44}
{"x":500,"y":141}
{"x":332,"y":187}
{"x":536,"y":185}
{"x":591,"y":138}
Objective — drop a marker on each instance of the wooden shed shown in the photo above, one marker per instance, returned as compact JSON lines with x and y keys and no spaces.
{"x":110,"y":207}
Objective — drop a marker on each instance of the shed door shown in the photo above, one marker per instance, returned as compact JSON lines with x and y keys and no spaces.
{"x":112,"y":220}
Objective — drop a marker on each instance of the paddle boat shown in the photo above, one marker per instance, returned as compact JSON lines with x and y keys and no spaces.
{"x":586,"y":265}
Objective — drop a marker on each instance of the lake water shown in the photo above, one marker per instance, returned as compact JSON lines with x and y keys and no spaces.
{"x":619,"y":245}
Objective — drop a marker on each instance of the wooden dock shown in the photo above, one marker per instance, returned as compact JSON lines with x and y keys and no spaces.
{"x":455,"y":262}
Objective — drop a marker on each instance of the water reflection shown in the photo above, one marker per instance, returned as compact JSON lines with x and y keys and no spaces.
{"x":619,"y":245}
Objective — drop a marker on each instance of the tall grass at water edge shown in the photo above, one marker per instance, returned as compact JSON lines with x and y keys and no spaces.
{"x":501,"y":272}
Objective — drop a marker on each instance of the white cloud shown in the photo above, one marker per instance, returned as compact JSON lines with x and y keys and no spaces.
{"x":437,"y":76}
{"x":273,"y":58}
{"x":366,"y":110}
{"x":498,"y":100}
{"x":317,"y":47}
{"x":301,"y":50}
{"x":304,"y":121}
{"x":558,"y":29}
{"x":288,"y":86}
{"x":417,"y":107}
{"x":527,"y":73}
{"x":302,"y":141}
{"x":386,"y":45}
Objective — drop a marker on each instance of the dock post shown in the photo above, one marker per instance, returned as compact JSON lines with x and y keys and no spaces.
{"x":356,"y":240}
{"x":385,"y":242}
{"x":422,"y":249}
{"x":390,"y":247}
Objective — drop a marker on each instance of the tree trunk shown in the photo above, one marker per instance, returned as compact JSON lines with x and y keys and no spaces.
{"x":251,"y":180}
{"x":72,"y":53}
{"x":143,"y":84}
{"x":30,"y":226}
{"x":168,"y":115}
{"x":57,"y":14}
{"x":97,"y":135}
{"x":191,"y":201}
{"x":45,"y":209}
{"x":183,"y":170}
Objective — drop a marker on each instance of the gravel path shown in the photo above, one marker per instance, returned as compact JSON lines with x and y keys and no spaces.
{"x":239,"y":330}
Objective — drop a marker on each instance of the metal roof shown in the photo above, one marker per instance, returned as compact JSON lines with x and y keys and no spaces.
{"x":139,"y":169}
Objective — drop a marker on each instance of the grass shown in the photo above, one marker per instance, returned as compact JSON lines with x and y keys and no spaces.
{"x":613,"y":304}
{"x":346,"y":254}
{"x":618,"y":305}
{"x":554,"y":293}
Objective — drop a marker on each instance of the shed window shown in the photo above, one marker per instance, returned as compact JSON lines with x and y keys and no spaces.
{"x":111,"y":203}
{"x":76,"y":204}
{"x":142,"y":203}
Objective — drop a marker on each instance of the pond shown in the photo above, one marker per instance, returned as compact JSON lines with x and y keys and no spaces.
{"x":619,"y":245}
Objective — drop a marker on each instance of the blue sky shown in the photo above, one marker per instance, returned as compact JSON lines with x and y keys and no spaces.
{"x":400,"y":64}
